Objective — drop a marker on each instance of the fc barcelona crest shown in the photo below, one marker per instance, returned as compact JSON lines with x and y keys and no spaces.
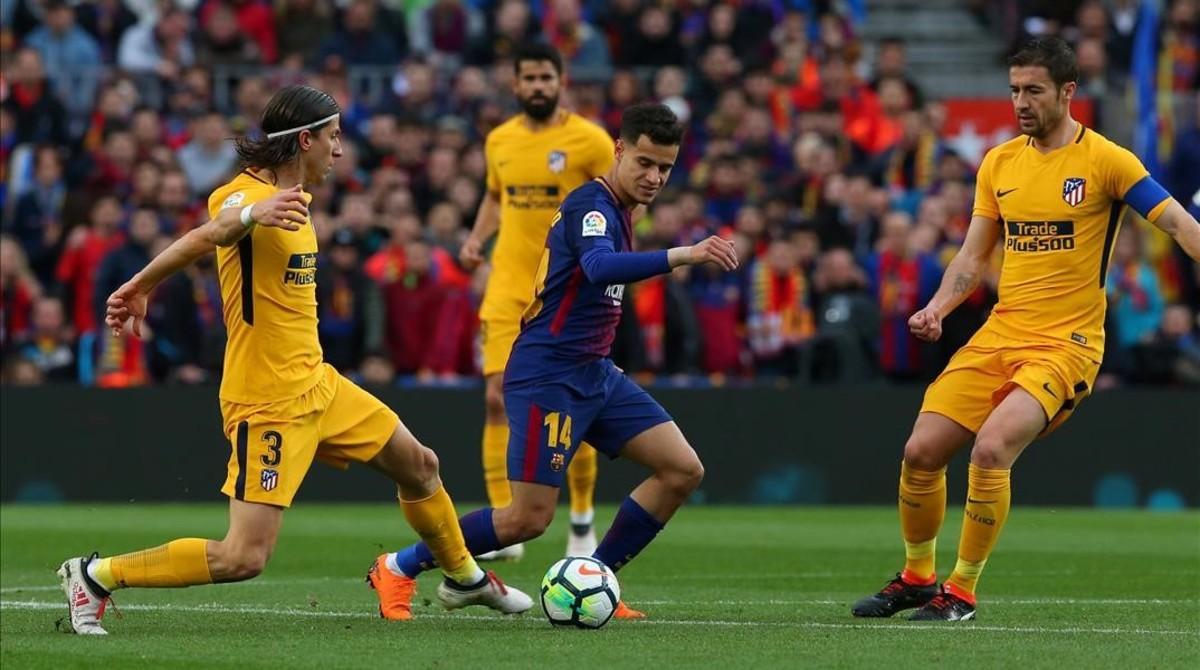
{"x":269,"y":479}
{"x":557,"y":162}
{"x":1074,"y":190}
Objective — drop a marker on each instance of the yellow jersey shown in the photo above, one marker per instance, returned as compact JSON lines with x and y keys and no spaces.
{"x":1059,"y":213}
{"x":530,"y":173}
{"x":269,"y":299}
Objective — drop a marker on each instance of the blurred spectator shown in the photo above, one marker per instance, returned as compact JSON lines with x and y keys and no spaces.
{"x":50,"y":345}
{"x":348,"y":303}
{"x":779,"y":315}
{"x":67,"y":52}
{"x":513,"y":24}
{"x":903,"y":280}
{"x":223,"y":41}
{"x":303,"y":26}
{"x":1133,"y":293}
{"x":186,"y":320}
{"x":86,"y":248}
{"x":583,"y":47}
{"x":106,"y":21}
{"x":37,"y":219}
{"x":442,"y":29}
{"x":1172,"y":354}
{"x":18,"y":291}
{"x":362,"y":40}
{"x":209,"y":158}
{"x":162,"y":47}
{"x":252,"y":19}
{"x":891,"y":62}
{"x":39,"y":115}
{"x":654,"y":41}
{"x":120,"y":264}
{"x":430,"y":326}
{"x":847,"y":321}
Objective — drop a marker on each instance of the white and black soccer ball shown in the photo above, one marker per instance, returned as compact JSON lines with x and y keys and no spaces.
{"x":580,"y":592}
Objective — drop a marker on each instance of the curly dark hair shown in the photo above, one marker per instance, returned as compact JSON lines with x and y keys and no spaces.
{"x":290,"y":107}
{"x":653,"y":120}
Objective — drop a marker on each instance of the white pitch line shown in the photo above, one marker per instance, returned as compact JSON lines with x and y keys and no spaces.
{"x":217,"y":608}
{"x":764,"y":601}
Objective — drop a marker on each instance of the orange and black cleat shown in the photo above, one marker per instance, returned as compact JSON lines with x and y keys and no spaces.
{"x":626,"y":612}
{"x":395,"y":592}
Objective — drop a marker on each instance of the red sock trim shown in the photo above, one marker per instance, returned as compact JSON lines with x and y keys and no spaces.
{"x":959,"y":592}
{"x":910,"y":577}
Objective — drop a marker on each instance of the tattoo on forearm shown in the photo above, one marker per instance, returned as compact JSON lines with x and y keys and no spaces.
{"x":964,"y":282}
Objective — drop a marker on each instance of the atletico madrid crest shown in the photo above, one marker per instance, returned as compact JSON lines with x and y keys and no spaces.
{"x":1074,"y":190}
{"x":270,"y":479}
{"x":557,"y":161}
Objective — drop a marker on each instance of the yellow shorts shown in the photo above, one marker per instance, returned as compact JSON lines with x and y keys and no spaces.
{"x":275,"y":443}
{"x":987,"y":368}
{"x":499,"y":325}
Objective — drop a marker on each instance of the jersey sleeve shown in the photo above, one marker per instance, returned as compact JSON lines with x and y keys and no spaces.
{"x":489,"y":159}
{"x":986,"y":204}
{"x":1125,"y":178}
{"x":596,"y":234}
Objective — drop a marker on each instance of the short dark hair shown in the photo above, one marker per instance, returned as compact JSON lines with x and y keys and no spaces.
{"x":1051,"y":52}
{"x":290,"y":107}
{"x":653,"y":120}
{"x":538,"y":52}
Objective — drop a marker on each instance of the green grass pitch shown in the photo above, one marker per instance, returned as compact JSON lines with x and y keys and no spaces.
{"x":725,"y":587}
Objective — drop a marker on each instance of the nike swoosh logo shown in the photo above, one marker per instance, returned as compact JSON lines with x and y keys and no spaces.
{"x":969,"y":499}
{"x":1046,"y":386}
{"x":590,"y":572}
{"x":1001,"y":194}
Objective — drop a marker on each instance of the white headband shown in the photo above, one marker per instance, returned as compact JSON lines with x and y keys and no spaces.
{"x":289,"y":131}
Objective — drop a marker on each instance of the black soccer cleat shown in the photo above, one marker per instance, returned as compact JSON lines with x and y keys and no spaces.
{"x":945,"y":606}
{"x":896,"y":596}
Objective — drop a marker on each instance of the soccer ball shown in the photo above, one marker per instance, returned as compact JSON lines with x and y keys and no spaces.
{"x":580,"y":592}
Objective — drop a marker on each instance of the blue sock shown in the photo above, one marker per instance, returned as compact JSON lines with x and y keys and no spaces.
{"x":478,"y":532}
{"x":631,"y":531}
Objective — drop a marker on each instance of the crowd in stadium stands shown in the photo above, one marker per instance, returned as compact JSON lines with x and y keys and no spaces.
{"x":817,"y":152}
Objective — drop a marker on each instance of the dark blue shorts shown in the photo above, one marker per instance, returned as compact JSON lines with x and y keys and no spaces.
{"x":594,"y":403}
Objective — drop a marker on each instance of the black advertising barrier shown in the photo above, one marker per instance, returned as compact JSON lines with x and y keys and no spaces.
{"x":810,"y":445}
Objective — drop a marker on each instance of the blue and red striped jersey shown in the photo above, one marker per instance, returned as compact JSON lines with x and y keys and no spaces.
{"x":580,"y":285}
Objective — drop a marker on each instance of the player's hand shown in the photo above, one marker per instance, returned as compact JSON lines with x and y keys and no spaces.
{"x":471,"y":254}
{"x":125,"y":304}
{"x":926,"y":325}
{"x":714,"y":250}
{"x":286,"y":209}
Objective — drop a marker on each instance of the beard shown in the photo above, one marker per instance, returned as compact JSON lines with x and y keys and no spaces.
{"x":539,"y":108}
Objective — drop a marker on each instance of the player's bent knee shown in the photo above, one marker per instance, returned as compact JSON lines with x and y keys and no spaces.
{"x":683,"y":478}
{"x":992,"y":451}
{"x":923,"y":454}
{"x":242,"y":563}
{"x":531,"y":521}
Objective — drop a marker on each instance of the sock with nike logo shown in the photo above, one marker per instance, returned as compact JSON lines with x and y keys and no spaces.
{"x":631,"y":530}
{"x":988,"y":497}
{"x":922,"y":509}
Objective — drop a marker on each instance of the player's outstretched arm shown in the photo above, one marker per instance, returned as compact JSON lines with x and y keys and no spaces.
{"x":285,"y":209}
{"x":1176,"y":222}
{"x":714,"y":249}
{"x":962,"y":276}
{"x":487,"y":222}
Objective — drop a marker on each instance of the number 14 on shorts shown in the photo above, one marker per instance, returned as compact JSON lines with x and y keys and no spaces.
{"x":558,"y":435}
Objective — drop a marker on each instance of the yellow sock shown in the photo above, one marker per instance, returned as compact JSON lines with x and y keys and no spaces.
{"x":177,"y":563}
{"x":495,"y":464}
{"x":435,"y":521}
{"x":989,"y":495}
{"x":581,"y":479}
{"x":922,"y":509}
